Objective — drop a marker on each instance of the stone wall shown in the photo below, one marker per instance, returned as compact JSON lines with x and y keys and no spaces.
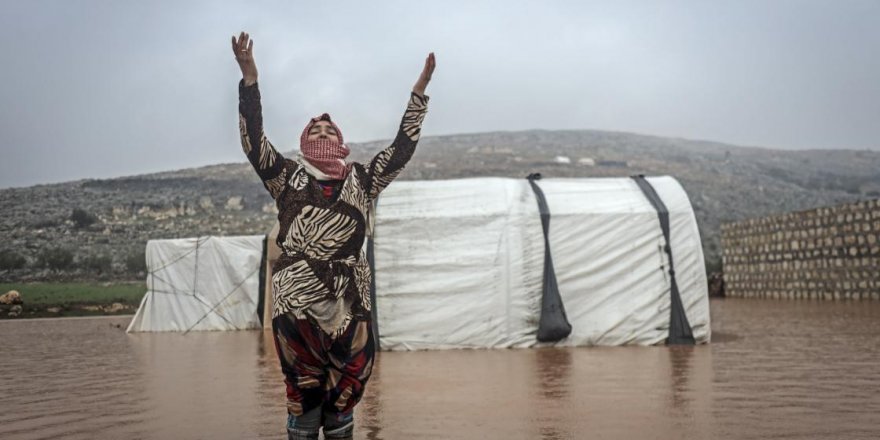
{"x":824,"y":253}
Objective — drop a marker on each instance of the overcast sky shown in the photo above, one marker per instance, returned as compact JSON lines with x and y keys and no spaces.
{"x":94,"y":89}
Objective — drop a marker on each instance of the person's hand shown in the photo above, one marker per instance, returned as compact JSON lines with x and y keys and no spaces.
{"x":425,"y":77}
{"x":244,"y":54}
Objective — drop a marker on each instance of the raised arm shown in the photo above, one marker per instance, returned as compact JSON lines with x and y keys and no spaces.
{"x":388,"y":163}
{"x":268,"y":163}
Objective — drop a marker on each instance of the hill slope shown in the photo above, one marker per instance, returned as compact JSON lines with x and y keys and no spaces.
{"x":115,"y":217}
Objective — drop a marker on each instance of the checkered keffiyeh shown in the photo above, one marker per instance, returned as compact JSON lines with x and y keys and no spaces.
{"x":328,"y":155}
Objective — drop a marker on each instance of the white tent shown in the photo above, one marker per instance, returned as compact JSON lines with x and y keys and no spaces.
{"x":205,"y":283}
{"x":460,"y":263}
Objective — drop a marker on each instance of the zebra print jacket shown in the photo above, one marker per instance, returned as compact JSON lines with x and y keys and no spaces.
{"x":323,"y":274}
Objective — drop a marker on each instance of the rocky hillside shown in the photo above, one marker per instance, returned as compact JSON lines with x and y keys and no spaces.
{"x":96,"y":229}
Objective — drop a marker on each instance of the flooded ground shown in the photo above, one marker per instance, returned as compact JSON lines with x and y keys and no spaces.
{"x":775,"y":369}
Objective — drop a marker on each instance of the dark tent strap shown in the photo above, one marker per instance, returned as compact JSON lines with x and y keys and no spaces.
{"x":261,"y":301}
{"x":371,"y":258}
{"x":553,"y":325}
{"x":680,"y":332}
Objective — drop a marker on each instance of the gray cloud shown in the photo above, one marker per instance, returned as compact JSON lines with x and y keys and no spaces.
{"x":105,"y":88}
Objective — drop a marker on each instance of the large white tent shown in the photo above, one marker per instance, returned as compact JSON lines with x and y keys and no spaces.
{"x":460,"y":263}
{"x":466,"y":263}
{"x":204,"y":283}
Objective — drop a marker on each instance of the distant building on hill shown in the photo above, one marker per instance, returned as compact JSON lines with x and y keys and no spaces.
{"x":588,"y":161}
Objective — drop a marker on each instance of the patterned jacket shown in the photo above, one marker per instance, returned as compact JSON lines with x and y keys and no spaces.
{"x":322,"y":272}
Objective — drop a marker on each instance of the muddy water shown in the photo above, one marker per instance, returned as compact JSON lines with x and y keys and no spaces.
{"x":774,"y":370}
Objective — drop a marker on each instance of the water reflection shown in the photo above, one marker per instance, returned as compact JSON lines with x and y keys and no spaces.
{"x":369,"y":411}
{"x":553,"y":370}
{"x":552,"y":373}
{"x":691,"y":390}
{"x":680,"y":362}
{"x":270,"y":390}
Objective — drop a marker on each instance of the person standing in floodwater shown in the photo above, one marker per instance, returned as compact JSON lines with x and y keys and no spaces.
{"x":321,"y":311}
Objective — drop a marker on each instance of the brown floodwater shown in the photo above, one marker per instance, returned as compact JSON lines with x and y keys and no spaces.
{"x":775,"y":370}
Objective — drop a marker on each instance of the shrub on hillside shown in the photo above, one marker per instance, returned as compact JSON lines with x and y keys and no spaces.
{"x":136,"y":261}
{"x":55,"y":258}
{"x":10,"y":260}
{"x":82,"y":218}
{"x":97,"y":263}
{"x":46,"y":222}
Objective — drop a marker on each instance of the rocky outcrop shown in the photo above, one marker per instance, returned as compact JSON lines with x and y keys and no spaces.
{"x":11,"y":297}
{"x":235,"y":204}
{"x":14,"y":311}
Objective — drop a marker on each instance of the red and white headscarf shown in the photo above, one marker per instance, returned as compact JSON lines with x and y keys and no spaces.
{"x":327,"y":155}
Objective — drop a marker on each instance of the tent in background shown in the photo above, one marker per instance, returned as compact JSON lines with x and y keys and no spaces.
{"x":463,"y":263}
{"x":204,"y":283}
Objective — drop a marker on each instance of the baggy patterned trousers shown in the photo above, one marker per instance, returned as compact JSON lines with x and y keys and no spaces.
{"x":320,"y":371}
